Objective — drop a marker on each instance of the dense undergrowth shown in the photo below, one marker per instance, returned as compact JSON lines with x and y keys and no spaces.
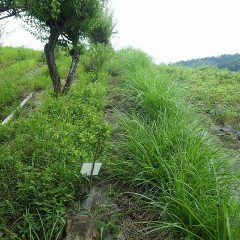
{"x":170,"y":162}
{"x":164,"y":156}
{"x":41,"y":156}
{"x":214,"y":91}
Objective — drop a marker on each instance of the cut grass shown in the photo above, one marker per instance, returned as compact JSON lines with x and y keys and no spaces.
{"x":170,"y":161}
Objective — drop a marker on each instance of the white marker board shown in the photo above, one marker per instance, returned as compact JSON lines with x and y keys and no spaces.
{"x":87,"y":169}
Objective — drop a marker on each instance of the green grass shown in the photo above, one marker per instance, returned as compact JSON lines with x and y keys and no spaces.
{"x":20,"y":74}
{"x":169,"y":160}
{"x":41,"y":157}
{"x":164,"y":156}
{"x":10,"y":55}
{"x":213,"y":91}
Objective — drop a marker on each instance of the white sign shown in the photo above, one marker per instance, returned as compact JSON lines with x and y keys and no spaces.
{"x":87,"y":169}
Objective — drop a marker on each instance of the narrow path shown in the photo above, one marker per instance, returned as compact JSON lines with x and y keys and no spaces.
{"x":133,"y":222}
{"x":108,"y":212}
{"x":100,"y":216}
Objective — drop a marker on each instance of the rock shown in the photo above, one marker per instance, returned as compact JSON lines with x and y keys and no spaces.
{"x":110,"y":236}
{"x":96,"y":198}
{"x":82,"y":227}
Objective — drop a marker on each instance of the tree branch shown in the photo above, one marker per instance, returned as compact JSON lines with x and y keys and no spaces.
{"x":51,"y":60}
{"x":7,"y":16}
{"x":6,"y":7}
{"x":72,"y":70}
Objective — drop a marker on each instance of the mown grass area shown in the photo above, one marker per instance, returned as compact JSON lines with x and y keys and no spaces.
{"x":41,"y":157}
{"x":169,"y":160}
{"x":21,"y":72}
{"x":213,"y":91}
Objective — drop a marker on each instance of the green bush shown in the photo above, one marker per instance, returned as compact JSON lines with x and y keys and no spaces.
{"x":95,"y":58}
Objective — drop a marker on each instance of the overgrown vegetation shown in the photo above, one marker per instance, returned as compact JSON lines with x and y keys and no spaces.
{"x":164,"y":157}
{"x":41,"y":157}
{"x":229,"y":61}
{"x":215,"y":95}
{"x":169,"y":161}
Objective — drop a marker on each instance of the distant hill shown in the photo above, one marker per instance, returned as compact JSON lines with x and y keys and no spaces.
{"x":232,"y":62}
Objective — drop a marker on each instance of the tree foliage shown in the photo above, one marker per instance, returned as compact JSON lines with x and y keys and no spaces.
{"x":71,"y":21}
{"x":9,"y":8}
{"x":103,"y":28}
{"x":231,"y":62}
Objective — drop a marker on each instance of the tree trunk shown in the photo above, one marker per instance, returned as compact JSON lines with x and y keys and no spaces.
{"x":72,"y":70}
{"x":51,"y":60}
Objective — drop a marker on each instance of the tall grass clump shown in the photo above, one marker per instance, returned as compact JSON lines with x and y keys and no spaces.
{"x":170,"y":161}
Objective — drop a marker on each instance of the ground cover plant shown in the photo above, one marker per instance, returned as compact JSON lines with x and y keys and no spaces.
{"x":169,"y":161}
{"x":41,"y":157}
{"x":215,"y":94}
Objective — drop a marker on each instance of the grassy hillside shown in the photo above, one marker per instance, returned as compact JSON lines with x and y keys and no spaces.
{"x":21,"y":72}
{"x":41,"y":155}
{"x":160,"y":160}
{"x":215,"y":95}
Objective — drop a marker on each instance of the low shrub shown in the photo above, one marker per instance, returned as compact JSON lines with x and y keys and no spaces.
{"x":95,"y":58}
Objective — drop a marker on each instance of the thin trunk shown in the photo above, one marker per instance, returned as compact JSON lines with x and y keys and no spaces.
{"x":72,"y":70}
{"x":51,"y":60}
